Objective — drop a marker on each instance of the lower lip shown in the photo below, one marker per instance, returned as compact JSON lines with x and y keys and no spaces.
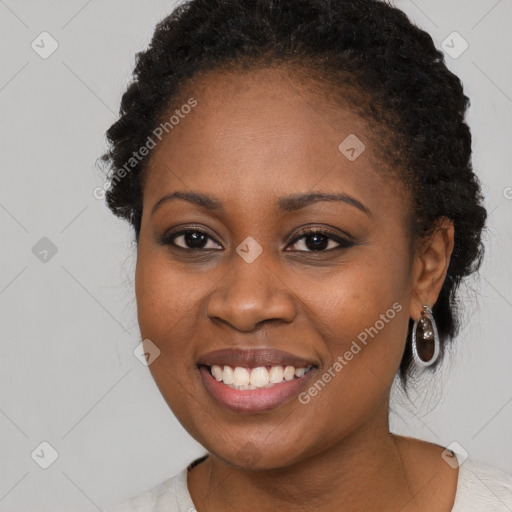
{"x":253,"y":400}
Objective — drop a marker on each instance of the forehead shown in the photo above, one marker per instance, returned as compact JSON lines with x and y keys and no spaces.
{"x":257,"y":135}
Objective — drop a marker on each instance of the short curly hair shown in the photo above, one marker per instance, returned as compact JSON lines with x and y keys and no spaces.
{"x":368,"y":45}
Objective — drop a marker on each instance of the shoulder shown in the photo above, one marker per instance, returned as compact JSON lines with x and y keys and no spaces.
{"x":477,"y":487}
{"x":160,"y":497}
{"x":481,"y":488}
{"x":171,"y":495}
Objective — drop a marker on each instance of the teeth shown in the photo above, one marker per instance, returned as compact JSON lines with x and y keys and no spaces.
{"x":276,"y":374}
{"x":261,"y":377}
{"x":289,"y":373}
{"x":299,"y":372}
{"x":227,"y":375}
{"x":241,"y":376}
{"x":217,"y":372}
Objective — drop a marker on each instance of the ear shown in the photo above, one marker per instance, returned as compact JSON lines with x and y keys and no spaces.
{"x":430,"y":266}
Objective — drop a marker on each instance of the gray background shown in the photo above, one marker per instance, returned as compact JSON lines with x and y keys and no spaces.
{"x":68,"y":324}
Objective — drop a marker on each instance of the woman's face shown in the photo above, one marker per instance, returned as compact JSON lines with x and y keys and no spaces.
{"x":246,"y":277}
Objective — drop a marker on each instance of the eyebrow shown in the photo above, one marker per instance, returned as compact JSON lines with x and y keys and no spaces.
{"x":299,"y":201}
{"x":204,"y":201}
{"x":283,"y":204}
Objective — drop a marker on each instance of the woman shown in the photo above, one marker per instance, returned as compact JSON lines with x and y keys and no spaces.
{"x":298,"y":177}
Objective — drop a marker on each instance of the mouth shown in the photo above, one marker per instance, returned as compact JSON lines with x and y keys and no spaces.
{"x":243,"y":378}
{"x":255,"y":380}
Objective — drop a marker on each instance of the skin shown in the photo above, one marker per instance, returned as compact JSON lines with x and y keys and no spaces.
{"x":251,"y":139}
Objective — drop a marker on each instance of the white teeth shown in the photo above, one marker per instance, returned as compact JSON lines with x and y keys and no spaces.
{"x":259,"y":377}
{"x":217,"y":372}
{"x":227,"y":376}
{"x":244,"y":378}
{"x":276,"y":374}
{"x":299,"y":372}
{"x":289,"y":373}
{"x":241,"y":376}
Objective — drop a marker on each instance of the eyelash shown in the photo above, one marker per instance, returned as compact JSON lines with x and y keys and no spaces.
{"x":344,"y":243}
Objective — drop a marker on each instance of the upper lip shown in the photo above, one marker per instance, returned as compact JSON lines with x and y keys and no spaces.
{"x":252,"y":358}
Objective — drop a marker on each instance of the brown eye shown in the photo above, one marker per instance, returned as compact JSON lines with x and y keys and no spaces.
{"x":191,"y":239}
{"x":319,"y":241}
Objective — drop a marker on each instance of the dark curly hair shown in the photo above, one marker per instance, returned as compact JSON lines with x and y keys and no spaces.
{"x":398,"y":77}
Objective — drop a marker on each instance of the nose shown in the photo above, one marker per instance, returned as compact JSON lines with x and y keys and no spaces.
{"x":251,"y":294}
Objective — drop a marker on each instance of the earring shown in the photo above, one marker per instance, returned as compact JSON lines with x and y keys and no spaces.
{"x":425,"y":339}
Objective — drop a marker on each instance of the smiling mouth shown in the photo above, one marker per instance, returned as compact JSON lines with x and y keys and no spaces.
{"x":243,"y":378}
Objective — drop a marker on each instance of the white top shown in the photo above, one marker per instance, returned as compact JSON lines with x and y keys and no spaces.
{"x":480,"y":488}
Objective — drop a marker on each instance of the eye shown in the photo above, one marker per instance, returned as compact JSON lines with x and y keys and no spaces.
{"x":316,"y":240}
{"x":190,"y":239}
{"x":311,"y":240}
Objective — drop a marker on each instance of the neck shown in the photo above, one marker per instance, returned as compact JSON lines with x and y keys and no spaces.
{"x":361,"y":470}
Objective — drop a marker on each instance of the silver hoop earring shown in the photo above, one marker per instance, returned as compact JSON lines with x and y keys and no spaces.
{"x":425,"y":339}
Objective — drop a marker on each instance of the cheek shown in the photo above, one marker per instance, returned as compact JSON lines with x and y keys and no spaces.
{"x":361,"y":315}
{"x":354,"y":296}
{"x":167,"y":304}
{"x":361,"y":312}
{"x":167,"y":310}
